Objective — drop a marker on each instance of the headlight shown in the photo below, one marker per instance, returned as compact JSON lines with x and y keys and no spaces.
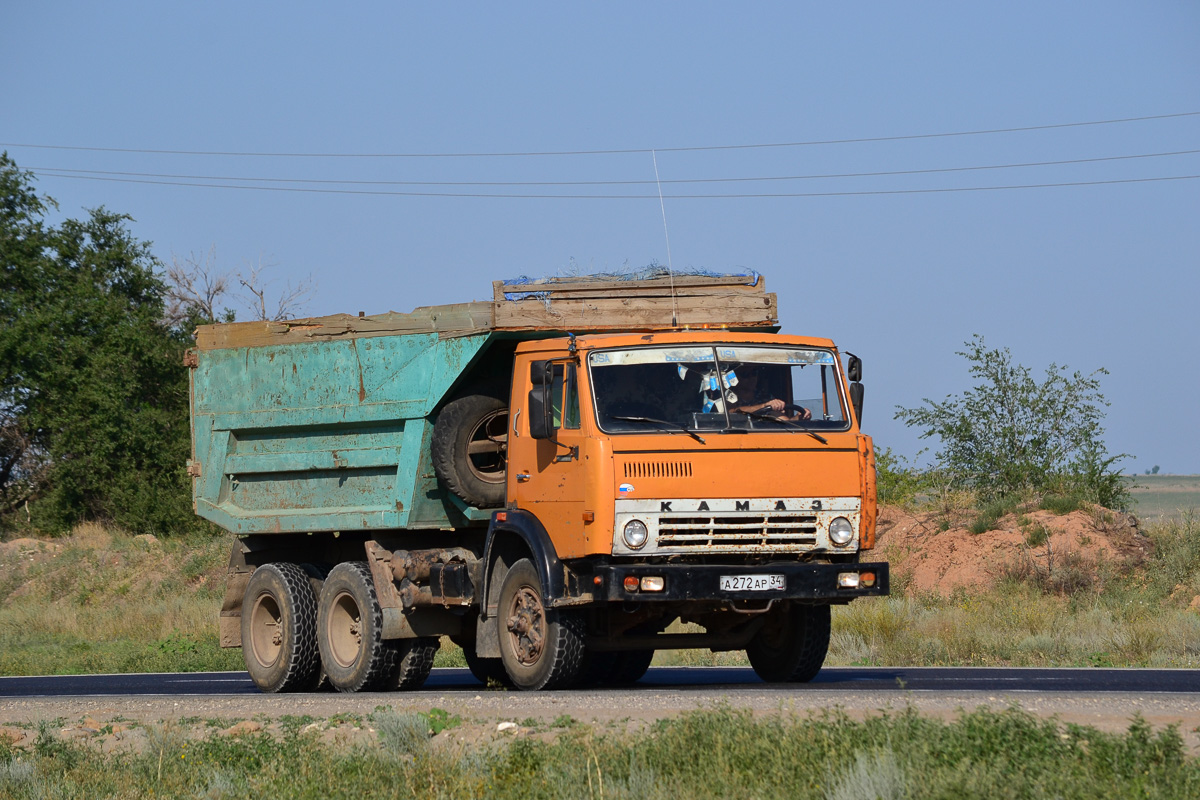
{"x":635,"y":534}
{"x":841,"y":532}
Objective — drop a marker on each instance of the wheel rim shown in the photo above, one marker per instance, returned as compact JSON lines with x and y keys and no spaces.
{"x":266,"y":630}
{"x":527,"y":626}
{"x":344,"y":630}
{"x":487,"y":448}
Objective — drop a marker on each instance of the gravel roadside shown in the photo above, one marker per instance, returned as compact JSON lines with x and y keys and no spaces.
{"x":611,"y":708}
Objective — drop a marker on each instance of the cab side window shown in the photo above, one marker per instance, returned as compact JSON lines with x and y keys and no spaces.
{"x":564,"y":397}
{"x":556,"y":395}
{"x":571,"y":401}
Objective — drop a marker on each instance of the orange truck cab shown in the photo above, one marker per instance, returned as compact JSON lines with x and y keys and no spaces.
{"x":718,"y":478}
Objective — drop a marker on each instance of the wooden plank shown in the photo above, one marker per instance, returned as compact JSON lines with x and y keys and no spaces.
{"x":681,"y":283}
{"x":732,"y":310}
{"x":450,"y":320}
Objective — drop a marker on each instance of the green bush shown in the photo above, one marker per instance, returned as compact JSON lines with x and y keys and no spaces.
{"x":1011,"y":434}
{"x":897,"y":482}
{"x":991,"y":513}
{"x":1061,"y":504}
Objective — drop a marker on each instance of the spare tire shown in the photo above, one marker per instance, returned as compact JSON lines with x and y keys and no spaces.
{"x":470,"y":448}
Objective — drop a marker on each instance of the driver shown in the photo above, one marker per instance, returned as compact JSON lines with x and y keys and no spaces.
{"x":759,"y":399}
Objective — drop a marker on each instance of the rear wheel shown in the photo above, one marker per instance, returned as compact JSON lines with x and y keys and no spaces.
{"x":541,"y":648}
{"x":279,"y":629}
{"x":415,"y":660}
{"x":350,"y":632}
{"x":486,"y":670}
{"x":791,"y":646}
{"x":316,"y":579}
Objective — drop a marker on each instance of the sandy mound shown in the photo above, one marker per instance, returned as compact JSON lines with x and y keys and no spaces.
{"x":1073,"y":548}
{"x":26,"y":549}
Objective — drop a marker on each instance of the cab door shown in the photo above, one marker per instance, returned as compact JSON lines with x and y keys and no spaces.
{"x":546,"y":476}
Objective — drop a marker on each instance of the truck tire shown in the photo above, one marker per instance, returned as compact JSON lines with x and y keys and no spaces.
{"x":414,"y":662}
{"x":631,"y":667}
{"x":316,"y":578}
{"x":486,"y":670}
{"x":597,"y":669}
{"x":354,"y":653}
{"x":791,"y":647}
{"x":279,"y":629}
{"x":615,"y":668}
{"x":541,"y":648}
{"x":470,"y":448}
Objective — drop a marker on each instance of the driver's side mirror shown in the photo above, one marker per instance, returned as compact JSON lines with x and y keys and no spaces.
{"x":854,"y":368}
{"x":854,"y":373}
{"x":541,"y":376}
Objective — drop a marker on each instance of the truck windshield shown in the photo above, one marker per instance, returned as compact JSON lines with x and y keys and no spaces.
{"x":741,"y":388}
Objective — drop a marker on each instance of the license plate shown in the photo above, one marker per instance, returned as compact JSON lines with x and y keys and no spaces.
{"x":751,"y":583}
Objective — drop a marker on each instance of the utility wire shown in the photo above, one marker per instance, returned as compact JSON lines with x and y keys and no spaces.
{"x":68,"y":172}
{"x":642,"y":150}
{"x":379,"y":193}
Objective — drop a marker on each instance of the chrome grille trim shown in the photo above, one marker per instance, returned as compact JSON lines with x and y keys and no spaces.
{"x":741,"y":530}
{"x":735,"y":526}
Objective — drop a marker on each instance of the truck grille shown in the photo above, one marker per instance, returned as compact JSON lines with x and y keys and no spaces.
{"x":749,"y":531}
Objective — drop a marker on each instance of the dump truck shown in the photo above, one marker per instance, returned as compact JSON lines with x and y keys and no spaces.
{"x":552,"y":479}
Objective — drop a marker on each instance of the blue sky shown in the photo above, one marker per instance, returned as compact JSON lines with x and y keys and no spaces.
{"x":1088,"y":276}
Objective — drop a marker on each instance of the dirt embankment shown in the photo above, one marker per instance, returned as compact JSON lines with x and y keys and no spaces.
{"x":929,"y":558}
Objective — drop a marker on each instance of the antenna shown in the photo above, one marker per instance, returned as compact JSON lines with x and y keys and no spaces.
{"x":667,"y":236}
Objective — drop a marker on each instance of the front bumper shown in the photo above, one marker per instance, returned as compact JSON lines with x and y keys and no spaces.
{"x":684,"y":582}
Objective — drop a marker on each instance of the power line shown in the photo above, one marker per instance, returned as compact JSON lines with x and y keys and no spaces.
{"x":379,"y":193}
{"x":68,"y":172}
{"x":641,"y":150}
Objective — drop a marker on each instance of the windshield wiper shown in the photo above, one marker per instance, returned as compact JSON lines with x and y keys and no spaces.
{"x":795,"y":424}
{"x":671,"y":426}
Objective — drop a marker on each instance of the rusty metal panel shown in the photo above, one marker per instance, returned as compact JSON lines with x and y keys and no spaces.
{"x":323,"y":435}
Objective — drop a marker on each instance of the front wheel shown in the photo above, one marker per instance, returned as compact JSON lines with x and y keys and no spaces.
{"x":615,"y":668}
{"x":791,"y":646}
{"x":541,"y":648}
{"x":631,"y":667}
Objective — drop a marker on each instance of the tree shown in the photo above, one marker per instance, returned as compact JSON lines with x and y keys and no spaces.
{"x":196,"y":289}
{"x":1010,"y":434}
{"x":23,"y":240}
{"x":92,"y":390}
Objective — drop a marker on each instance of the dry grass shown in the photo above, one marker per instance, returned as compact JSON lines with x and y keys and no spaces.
{"x":104,"y":601}
{"x":1065,"y":618}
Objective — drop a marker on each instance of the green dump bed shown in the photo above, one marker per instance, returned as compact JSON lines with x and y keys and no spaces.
{"x":325,"y":424}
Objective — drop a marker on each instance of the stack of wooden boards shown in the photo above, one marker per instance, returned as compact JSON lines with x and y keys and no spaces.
{"x":574,"y":304}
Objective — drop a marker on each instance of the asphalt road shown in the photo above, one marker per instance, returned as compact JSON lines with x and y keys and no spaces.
{"x":844,"y":680}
